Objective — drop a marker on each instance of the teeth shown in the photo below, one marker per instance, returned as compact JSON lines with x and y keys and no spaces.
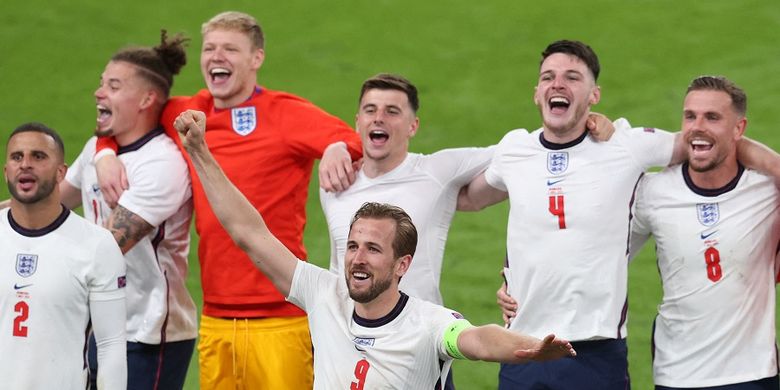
{"x":700,"y":142}
{"x":360,"y":275}
{"x":559,"y":100}
{"x":103,"y":109}
{"x":219,"y":71}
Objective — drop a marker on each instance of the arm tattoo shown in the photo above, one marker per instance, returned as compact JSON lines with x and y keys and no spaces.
{"x":127,"y":228}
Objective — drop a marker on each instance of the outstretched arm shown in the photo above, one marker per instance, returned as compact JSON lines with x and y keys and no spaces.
{"x":239,"y":218}
{"x":496,"y":344}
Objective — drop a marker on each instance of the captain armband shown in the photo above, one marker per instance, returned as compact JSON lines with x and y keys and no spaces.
{"x":451,"y":337}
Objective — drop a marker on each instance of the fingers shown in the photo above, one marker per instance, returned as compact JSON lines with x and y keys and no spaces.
{"x":336,"y":170}
{"x":507,"y":304}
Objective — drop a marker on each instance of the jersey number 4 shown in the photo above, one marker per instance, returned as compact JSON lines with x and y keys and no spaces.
{"x":361,"y":369}
{"x":22,"y":311}
{"x":556,"y":209}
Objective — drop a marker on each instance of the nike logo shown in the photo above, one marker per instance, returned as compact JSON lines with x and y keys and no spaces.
{"x":18,"y":287}
{"x":705,"y":236}
{"x":361,"y":350}
{"x":553,"y":182}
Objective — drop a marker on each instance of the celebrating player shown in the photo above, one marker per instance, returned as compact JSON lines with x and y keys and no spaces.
{"x":717,"y":229}
{"x":59,"y":271}
{"x":365,"y":333}
{"x":151,"y":223}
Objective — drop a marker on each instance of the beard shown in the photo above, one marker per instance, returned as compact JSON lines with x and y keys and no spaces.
{"x":377,"y":287}
{"x":45,"y":188}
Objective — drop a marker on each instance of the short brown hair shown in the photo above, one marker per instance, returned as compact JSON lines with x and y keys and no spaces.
{"x":237,"y":21}
{"x":577,"y":49}
{"x":157,"y":64}
{"x":405,"y":240}
{"x":387,"y":81}
{"x":720,"y":83}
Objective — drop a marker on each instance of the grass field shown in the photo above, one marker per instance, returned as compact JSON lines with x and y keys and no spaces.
{"x":475,"y":64}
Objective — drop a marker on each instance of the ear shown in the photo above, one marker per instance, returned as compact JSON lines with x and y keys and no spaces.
{"x":413,"y":128}
{"x":739,"y":131}
{"x":536,"y":98}
{"x":402,"y":265}
{"x":595,"y":95}
{"x":258,"y":56}
{"x":149,"y":99}
{"x":61,"y":171}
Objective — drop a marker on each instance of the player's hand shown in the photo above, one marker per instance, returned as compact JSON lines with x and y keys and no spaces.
{"x":112,"y":178}
{"x":507,"y":304}
{"x":600,"y":127}
{"x":337,"y":172}
{"x":550,"y":348}
{"x":191,"y":125}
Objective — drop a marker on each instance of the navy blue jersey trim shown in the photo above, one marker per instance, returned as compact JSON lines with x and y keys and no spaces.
{"x":399,"y":307}
{"x":42,"y":231}
{"x":553,"y":146}
{"x":141,"y":141}
{"x":715,"y":191}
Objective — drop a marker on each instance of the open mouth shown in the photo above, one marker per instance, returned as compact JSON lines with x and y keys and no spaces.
{"x":558,"y":105}
{"x":219,"y":75}
{"x":103,"y":115}
{"x":378,"y":136}
{"x":26,"y":182}
{"x":700,"y":145}
{"x":360,"y":275}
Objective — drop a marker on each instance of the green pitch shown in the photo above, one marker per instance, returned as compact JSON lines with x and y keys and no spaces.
{"x":475,"y":64}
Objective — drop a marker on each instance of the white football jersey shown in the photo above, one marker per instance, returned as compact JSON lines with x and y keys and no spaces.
{"x":160,"y":193}
{"x":568,"y":227}
{"x":403,"y":350}
{"x":48,"y":277}
{"x":716,"y":254}
{"x":426,"y":187}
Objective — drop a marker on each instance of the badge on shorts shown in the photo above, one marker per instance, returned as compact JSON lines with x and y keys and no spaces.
{"x":244,"y":120}
{"x":709,"y":213}
{"x":557,"y":162}
{"x":26,"y":264}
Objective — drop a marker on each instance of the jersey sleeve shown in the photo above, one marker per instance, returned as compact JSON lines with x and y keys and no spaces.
{"x":312,"y":129}
{"x":649,"y":146}
{"x":75,"y":170}
{"x":309,"y":283}
{"x":459,"y":165}
{"x":445,"y":324}
{"x":159,"y":185}
{"x":494,"y":174}
{"x":107,"y":278}
{"x":640,"y":224}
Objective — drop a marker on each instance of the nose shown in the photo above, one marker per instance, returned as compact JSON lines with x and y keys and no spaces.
{"x":557,"y":82}
{"x":100,"y":92}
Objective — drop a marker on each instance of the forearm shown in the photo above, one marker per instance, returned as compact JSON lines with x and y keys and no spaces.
{"x":759,"y":157}
{"x":495,"y":344}
{"x":478,"y":194}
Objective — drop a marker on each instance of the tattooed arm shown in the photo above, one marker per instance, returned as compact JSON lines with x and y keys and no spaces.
{"x":127,"y":228}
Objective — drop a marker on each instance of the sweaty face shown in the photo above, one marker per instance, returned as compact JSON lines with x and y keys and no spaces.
{"x":32,"y":168}
{"x":386,"y":122}
{"x":119,"y":97}
{"x":711,"y":127}
{"x":229,"y":64}
{"x":564,"y":94}
{"x":370,"y":264}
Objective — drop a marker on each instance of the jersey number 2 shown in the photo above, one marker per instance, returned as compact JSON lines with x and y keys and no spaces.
{"x":556,"y":209}
{"x":361,"y":369}
{"x":712,"y":258}
{"x":23,"y":311}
